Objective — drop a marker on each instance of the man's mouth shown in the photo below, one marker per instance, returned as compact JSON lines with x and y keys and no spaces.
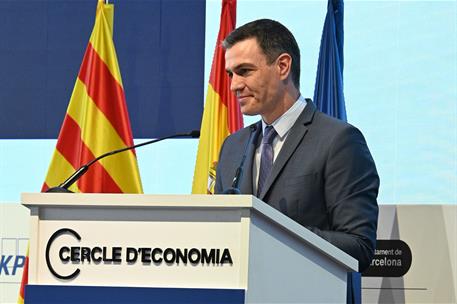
{"x":243,"y":99}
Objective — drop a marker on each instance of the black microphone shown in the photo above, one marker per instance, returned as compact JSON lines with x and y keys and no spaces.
{"x":239,"y":171}
{"x":63,"y":187}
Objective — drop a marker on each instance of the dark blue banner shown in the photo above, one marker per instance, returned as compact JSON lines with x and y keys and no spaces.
{"x":160,"y":48}
{"x":97,"y":294}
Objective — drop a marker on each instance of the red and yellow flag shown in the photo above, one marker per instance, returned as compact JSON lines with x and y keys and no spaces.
{"x":221,"y":115}
{"x":96,"y":122}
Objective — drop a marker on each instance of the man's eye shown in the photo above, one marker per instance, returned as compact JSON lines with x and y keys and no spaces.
{"x":242,"y":72}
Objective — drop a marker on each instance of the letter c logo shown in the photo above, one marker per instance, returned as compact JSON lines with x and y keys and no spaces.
{"x":48,"y":248}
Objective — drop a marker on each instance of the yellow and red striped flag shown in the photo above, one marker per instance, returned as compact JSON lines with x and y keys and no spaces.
{"x":221,"y":115}
{"x":96,"y":122}
{"x":25,"y":279}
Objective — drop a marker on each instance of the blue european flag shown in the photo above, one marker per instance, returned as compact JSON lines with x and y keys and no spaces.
{"x":328,"y":91}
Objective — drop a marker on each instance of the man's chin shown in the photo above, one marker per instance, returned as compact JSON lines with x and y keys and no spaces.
{"x":248,"y":112}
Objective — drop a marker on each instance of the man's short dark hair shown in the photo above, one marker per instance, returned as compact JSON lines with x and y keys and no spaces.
{"x":273,"y":38}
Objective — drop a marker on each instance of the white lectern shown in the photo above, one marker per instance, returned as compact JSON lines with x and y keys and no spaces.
{"x":176,"y":249}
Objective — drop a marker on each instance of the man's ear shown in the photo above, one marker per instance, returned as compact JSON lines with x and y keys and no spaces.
{"x":284,"y":64}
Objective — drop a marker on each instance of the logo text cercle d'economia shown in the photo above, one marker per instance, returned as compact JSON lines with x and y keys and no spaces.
{"x":118,"y":255}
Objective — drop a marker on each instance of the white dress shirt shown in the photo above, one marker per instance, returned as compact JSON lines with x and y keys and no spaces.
{"x":282,"y":126}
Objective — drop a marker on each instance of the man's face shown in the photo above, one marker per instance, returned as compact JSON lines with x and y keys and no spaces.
{"x":255,"y":83}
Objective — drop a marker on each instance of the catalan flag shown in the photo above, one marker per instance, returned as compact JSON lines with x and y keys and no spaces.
{"x":96,"y":122}
{"x":221,"y":115}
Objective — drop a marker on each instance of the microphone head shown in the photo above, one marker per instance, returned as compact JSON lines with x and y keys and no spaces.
{"x":253,"y":127}
{"x":195,"y":134}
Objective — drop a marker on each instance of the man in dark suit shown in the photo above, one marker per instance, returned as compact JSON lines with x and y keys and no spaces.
{"x":313,"y":168}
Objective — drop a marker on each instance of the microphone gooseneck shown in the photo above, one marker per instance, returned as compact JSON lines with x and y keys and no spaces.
{"x":234,"y":189}
{"x":63,"y":187}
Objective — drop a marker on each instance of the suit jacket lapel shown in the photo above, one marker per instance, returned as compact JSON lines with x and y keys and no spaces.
{"x":246,"y":180}
{"x":294,"y":138}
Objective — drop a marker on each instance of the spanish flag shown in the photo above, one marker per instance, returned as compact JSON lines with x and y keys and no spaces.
{"x":221,"y":115}
{"x":96,"y":122}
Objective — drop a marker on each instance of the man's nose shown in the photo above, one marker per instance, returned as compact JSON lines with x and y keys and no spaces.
{"x":236,"y":83}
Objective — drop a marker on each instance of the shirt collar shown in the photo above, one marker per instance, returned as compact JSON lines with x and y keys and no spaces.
{"x":283,"y":124}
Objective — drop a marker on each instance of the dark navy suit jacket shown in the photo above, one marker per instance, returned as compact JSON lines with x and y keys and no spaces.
{"x":323,"y":178}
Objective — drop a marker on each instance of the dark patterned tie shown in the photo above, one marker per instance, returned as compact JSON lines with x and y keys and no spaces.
{"x":266,"y":158}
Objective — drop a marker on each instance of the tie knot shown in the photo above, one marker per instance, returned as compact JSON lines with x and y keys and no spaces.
{"x":269,"y":135}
